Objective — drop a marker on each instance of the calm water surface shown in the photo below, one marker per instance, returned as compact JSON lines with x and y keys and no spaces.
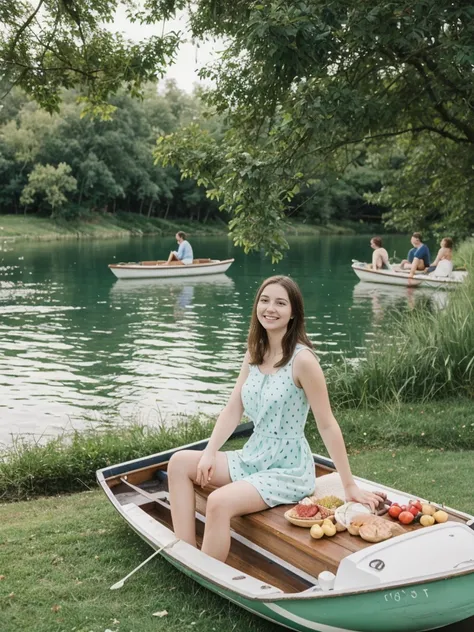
{"x":76,"y":344}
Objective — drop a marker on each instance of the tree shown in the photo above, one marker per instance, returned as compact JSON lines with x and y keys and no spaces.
{"x":300,"y":83}
{"x":47,"y":45}
{"x":319,"y":80}
{"x":51,"y":183}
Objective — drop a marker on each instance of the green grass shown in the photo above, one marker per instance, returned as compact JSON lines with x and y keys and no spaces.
{"x":67,"y":551}
{"x":69,"y":463}
{"x":99,"y":226}
{"x":121,"y":224}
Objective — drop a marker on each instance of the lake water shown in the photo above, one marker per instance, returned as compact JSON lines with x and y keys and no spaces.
{"x":76,"y":344}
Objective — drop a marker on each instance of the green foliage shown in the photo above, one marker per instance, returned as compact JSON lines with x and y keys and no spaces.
{"x":69,"y":463}
{"x":432,"y":191}
{"x":51,"y":183}
{"x":48,"y":46}
{"x":306,"y":88}
{"x":304,"y":84}
{"x":111,"y":160}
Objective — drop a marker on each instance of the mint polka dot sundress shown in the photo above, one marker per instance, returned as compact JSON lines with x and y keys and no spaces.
{"x":277,"y":459}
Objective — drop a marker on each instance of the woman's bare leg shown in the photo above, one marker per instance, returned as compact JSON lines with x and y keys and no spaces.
{"x":174,"y":259}
{"x":235,"y":499}
{"x":182,"y":470}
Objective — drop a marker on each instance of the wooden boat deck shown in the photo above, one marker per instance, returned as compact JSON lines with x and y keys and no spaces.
{"x":267,"y":529}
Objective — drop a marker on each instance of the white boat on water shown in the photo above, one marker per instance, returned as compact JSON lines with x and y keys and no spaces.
{"x":393,"y":277}
{"x":160,"y":269}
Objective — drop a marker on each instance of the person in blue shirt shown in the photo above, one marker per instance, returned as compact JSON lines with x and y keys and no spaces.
{"x":418,"y":258}
{"x":184,"y":254}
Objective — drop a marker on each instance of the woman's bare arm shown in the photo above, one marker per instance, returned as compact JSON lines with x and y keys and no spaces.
{"x":309,"y":375}
{"x":231,"y":414}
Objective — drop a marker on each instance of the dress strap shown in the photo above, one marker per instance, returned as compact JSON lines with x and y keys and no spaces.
{"x":300,"y":347}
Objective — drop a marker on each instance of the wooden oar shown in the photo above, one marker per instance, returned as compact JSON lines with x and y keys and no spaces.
{"x":122,"y":581}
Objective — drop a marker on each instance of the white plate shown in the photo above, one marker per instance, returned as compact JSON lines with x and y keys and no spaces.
{"x":346,"y":513}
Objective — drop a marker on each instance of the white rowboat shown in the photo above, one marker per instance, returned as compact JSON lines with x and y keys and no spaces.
{"x":159,"y":269}
{"x":391,"y":277}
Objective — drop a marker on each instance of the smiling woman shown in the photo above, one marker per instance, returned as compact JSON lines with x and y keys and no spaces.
{"x":275,"y":466}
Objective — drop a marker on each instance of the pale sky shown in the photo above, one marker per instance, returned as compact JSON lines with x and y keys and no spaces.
{"x":189,"y":58}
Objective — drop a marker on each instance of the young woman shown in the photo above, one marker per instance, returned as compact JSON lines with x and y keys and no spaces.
{"x":443,"y":264}
{"x":379,"y":256}
{"x":279,"y":380}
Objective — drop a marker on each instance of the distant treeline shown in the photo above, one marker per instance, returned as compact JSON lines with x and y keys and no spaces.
{"x":69,"y":165}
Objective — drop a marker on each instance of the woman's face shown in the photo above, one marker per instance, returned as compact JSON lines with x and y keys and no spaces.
{"x":274,"y":308}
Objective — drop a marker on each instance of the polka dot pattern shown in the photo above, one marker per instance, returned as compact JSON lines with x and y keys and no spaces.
{"x":277,"y":458}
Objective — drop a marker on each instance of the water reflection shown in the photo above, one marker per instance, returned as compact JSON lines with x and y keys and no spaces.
{"x":180,"y":291}
{"x":383,"y":299}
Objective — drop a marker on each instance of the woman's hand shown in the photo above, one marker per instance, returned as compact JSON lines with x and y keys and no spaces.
{"x":205,"y":468}
{"x":372,"y":499}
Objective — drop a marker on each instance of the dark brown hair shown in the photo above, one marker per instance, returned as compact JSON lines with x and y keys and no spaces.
{"x":257,"y":340}
{"x":377,"y":241}
{"x":417,"y":236}
{"x":448,"y":242}
{"x":181,"y":234}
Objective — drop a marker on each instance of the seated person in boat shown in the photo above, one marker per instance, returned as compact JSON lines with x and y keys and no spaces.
{"x":280,"y":379}
{"x":379,"y":256}
{"x":418,"y":258}
{"x":443,"y":264}
{"x":184,"y":254}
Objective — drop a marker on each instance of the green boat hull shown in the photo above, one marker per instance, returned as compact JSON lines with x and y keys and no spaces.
{"x":416,"y":608}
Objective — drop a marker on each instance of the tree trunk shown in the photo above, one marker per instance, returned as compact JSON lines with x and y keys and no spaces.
{"x":150,"y":208}
{"x":141,"y":206}
{"x":167,"y":210}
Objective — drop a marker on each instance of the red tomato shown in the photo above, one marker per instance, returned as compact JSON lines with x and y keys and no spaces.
{"x":413,"y":509}
{"x":417,"y":504}
{"x":403,"y":507}
{"x":406,"y":517}
{"x":395,"y":505}
{"x":394,"y":511}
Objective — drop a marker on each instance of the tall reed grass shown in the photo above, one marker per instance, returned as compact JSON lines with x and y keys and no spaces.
{"x":423,"y":355}
{"x":68,"y":463}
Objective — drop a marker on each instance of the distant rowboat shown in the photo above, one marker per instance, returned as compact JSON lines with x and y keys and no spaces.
{"x":393,"y":277}
{"x":160,"y":269}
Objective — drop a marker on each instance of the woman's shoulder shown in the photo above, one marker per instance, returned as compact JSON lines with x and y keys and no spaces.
{"x":304,"y":354}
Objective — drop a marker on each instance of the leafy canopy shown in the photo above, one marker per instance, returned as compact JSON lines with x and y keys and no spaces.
{"x":46,"y":45}
{"x":301,"y":84}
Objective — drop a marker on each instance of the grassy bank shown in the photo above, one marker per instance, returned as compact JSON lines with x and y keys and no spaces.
{"x":420,"y":356}
{"x":69,"y":463}
{"x":108,"y":226}
{"x":99,"y":226}
{"x":60,"y":555}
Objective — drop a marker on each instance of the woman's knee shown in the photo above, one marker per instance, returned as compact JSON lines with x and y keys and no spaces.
{"x":183,"y":464}
{"x":216,"y":504}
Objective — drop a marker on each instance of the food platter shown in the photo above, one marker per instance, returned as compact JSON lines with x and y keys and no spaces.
{"x":296,"y":516}
{"x":302,"y":522}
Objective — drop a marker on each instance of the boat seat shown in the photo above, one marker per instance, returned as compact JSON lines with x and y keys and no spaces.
{"x":270,"y":530}
{"x":202,"y":260}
